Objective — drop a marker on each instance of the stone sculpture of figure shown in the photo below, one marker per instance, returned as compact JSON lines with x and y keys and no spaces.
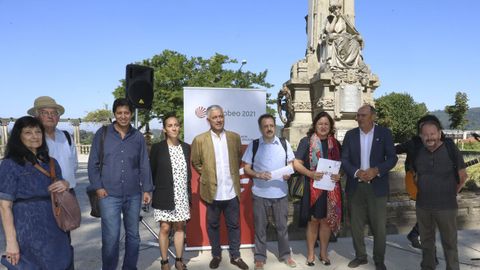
{"x":340,"y":41}
{"x":284,"y":103}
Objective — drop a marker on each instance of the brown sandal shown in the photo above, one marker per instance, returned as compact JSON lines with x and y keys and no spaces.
{"x":164,"y":264}
{"x":179,"y":265}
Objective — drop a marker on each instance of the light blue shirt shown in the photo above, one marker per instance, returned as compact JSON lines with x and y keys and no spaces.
{"x":269,"y":157}
{"x":65,"y":154}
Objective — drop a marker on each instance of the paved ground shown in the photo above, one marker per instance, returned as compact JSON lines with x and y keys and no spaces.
{"x":400,"y":255}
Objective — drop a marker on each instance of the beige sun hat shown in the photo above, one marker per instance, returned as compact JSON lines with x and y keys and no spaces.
{"x":45,"y":102}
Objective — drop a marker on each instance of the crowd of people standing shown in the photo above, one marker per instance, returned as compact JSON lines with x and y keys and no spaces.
{"x":125,"y":175}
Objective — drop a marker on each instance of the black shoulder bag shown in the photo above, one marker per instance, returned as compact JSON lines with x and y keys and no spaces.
{"x":92,"y":194}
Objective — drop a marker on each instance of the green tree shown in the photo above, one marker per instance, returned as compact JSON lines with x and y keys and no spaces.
{"x":271,"y":101}
{"x":458,"y":111}
{"x":400,"y":113}
{"x":173,"y":71}
{"x":86,"y":137}
{"x":98,"y":116}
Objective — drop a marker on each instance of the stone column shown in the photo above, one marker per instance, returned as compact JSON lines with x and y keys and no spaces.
{"x":4,"y":138}
{"x":349,"y":10}
{"x":76,"y":130}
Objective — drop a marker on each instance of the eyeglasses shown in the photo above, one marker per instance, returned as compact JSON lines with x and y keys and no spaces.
{"x":51,"y":114}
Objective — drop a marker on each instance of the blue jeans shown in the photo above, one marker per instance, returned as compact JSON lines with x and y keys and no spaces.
{"x":111,"y":209}
{"x":231,"y":212}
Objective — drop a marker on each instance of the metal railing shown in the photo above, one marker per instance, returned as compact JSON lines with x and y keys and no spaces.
{"x":83,"y":149}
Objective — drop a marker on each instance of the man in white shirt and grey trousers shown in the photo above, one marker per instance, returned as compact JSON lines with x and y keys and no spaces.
{"x":264,"y":155}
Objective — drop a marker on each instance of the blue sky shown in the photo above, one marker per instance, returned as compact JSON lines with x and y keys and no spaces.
{"x":76,"y":51}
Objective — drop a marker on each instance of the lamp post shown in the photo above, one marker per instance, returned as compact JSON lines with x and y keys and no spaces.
{"x":244,"y":62}
{"x":237,"y":81}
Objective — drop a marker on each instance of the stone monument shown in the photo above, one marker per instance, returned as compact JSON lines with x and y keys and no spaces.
{"x":332,"y":76}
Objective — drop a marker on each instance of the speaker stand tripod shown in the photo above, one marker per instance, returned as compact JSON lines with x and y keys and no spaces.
{"x":154,"y":244}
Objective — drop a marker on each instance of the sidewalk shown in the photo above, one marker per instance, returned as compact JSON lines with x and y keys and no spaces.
{"x":399,"y":255}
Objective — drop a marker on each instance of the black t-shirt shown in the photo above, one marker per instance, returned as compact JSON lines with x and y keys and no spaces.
{"x":437,"y":183}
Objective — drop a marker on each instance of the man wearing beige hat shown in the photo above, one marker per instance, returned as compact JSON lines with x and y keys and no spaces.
{"x":60,"y":144}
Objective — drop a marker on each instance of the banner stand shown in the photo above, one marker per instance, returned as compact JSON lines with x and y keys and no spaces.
{"x":240,"y":117}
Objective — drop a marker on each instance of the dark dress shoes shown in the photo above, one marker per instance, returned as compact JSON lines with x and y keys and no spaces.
{"x":357,"y":262}
{"x":380,"y":266}
{"x":239,"y":263}
{"x":215,"y":262}
{"x":414,"y":241}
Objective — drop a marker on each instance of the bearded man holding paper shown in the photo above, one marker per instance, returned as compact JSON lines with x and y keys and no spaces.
{"x":268,"y":160}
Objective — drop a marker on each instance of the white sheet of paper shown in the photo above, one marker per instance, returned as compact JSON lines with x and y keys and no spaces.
{"x":327,"y":167}
{"x":279,"y":173}
{"x":244,"y":181}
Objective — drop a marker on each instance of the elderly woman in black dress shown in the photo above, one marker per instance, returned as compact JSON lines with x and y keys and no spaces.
{"x":170,"y":163}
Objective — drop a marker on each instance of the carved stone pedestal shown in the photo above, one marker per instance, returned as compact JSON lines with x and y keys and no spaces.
{"x":339,"y":93}
{"x":332,"y":77}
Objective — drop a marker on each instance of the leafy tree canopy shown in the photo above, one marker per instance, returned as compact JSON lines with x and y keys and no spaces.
{"x":457,"y":113}
{"x":98,"y":116}
{"x":173,"y":71}
{"x":400,"y":113}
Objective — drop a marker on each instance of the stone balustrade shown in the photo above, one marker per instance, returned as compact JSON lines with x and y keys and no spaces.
{"x":83,"y":149}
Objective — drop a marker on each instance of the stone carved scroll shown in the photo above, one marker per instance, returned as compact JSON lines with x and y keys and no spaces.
{"x":350,"y":76}
{"x":302,"y":106}
{"x":326,"y":103}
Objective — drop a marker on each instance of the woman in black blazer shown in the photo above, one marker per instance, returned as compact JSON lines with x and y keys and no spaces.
{"x":170,"y":163}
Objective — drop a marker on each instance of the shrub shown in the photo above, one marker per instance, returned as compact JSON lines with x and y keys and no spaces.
{"x":473,"y":180}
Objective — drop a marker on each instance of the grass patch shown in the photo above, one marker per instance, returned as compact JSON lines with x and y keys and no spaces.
{"x":469,"y":146}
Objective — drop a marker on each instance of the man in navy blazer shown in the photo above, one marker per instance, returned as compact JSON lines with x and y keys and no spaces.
{"x":368,"y":154}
